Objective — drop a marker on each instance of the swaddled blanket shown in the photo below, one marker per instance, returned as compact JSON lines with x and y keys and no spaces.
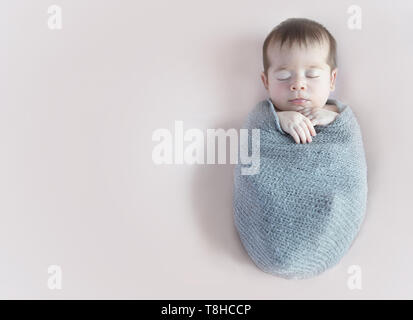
{"x":300,"y":213}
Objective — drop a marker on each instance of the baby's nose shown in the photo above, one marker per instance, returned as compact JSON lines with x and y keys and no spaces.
{"x":298,"y":86}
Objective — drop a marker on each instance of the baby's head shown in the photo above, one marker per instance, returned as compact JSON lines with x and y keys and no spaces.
{"x":299,"y":62}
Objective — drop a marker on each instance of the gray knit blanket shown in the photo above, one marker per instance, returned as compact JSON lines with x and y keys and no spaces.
{"x":300,"y":213}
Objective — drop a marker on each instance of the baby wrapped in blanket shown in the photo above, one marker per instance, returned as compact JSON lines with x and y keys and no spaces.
{"x":301,"y":212}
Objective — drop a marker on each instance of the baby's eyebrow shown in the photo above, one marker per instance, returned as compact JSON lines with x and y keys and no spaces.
{"x":316,"y":66}
{"x":285,"y":67}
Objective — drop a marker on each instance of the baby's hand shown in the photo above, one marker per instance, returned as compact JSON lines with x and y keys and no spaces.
{"x":297,"y":125}
{"x":319,"y":116}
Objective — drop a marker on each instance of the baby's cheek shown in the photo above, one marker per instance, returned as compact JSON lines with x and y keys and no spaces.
{"x":283,"y":91}
{"x":322,"y":90}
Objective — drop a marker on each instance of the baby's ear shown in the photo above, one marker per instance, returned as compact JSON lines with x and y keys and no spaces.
{"x":333,"y":78}
{"x":264,"y":80}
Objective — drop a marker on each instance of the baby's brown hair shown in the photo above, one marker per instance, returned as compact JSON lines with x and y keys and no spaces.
{"x":301,"y":31}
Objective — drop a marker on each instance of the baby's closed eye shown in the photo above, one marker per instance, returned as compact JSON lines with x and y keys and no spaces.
{"x":283,"y":75}
{"x":313,"y":74}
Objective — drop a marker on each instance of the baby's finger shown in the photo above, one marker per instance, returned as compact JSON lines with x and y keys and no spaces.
{"x":306,"y":131}
{"x":310,"y":127}
{"x":295,"y":136}
{"x":301,"y":133}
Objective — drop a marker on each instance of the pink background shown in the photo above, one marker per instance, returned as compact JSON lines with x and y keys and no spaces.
{"x":78,"y":186}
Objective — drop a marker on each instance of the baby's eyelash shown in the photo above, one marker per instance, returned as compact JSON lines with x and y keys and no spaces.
{"x":307,"y":77}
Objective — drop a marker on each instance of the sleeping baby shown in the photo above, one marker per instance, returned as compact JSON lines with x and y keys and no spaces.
{"x":300,"y":214}
{"x":299,"y":73}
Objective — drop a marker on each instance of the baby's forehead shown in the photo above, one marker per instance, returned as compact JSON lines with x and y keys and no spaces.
{"x":310,"y":54}
{"x":304,"y":45}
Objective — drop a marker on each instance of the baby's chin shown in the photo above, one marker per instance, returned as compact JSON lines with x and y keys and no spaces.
{"x":289,"y":106}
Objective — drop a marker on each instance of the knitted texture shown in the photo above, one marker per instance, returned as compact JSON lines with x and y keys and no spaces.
{"x":301,"y":212}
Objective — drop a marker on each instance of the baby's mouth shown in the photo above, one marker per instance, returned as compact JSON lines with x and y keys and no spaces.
{"x":299,"y":101}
